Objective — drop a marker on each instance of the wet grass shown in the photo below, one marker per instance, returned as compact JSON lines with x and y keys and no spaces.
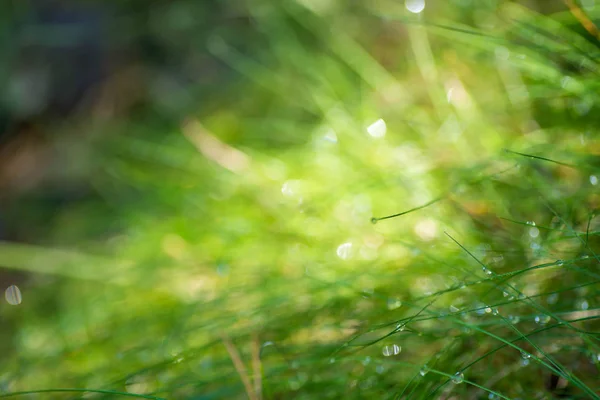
{"x":271,"y":247}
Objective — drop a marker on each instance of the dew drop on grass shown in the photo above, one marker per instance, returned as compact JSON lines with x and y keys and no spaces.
{"x":391,"y":350}
{"x":488,"y":310}
{"x":457,"y":378}
{"x":400,"y":327}
{"x":453,"y":309}
{"x":393,"y":303}
{"x":530,"y":223}
{"x":525,"y":355}
{"x":508,"y":295}
{"x":415,"y":6}
{"x":542,"y":319}
{"x":12,"y":294}
{"x":514,"y":319}
{"x":559,"y":263}
{"x":330,"y":137}
{"x":424,"y":370}
{"x":593,"y":180}
{"x":495,"y":311}
{"x":331,"y":360}
{"x":583,"y":305}
{"x":380,"y":369}
{"x":534,"y":232}
{"x":344,"y":251}
{"x":377,"y":129}
{"x":486,"y":271}
{"x":366,"y":361}
{"x":374,"y":220}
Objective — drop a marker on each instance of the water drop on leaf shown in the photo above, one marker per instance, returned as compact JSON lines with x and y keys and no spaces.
{"x":457,"y":378}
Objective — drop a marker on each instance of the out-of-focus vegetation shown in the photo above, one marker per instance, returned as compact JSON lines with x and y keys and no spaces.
{"x":210,"y":222}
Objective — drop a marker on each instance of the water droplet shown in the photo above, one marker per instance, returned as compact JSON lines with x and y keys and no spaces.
{"x":457,"y":378}
{"x":426,"y":229}
{"x":289,"y":188}
{"x":552,"y":299}
{"x":495,"y":311}
{"x":595,"y":358}
{"x":424,"y":370}
{"x":393,"y":303}
{"x":522,"y":296}
{"x":488,"y":310}
{"x":330,"y":137}
{"x":525,"y":355}
{"x":530,"y":223}
{"x":453,"y":309}
{"x":400,"y":327}
{"x":415,"y":6}
{"x":380,"y":369}
{"x":392,"y":350}
{"x":583,"y":305}
{"x":374,"y":220}
{"x":593,"y":180}
{"x":13,"y":295}
{"x":331,"y":360}
{"x":508,"y":295}
{"x":542,"y":319}
{"x":514,"y":319}
{"x":480,"y":309}
{"x":534,"y":232}
{"x":560,"y":263}
{"x":524,"y":362}
{"x":344,"y":250}
{"x":377,"y":129}
{"x":486,"y":271}
{"x":366,"y":361}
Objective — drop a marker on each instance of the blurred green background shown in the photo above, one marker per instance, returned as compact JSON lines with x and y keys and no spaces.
{"x":193,"y":199}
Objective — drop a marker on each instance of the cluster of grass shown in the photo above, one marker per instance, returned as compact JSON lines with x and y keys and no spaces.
{"x":382,"y":205}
